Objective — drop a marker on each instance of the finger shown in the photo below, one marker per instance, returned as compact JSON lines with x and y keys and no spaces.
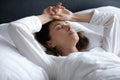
{"x":56,"y":10}
{"x":60,"y":7}
{"x":58,"y":17}
{"x":55,"y":17}
{"x":59,"y":4}
{"x":51,"y":10}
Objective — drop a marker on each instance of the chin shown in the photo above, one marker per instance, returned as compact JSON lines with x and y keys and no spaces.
{"x":76,"y":38}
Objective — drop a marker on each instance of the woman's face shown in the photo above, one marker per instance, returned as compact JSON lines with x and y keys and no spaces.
{"x":62,"y":35}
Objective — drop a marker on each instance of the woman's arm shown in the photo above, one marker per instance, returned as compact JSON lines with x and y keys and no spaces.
{"x":44,"y":18}
{"x":64,"y":14}
{"x":46,"y":15}
{"x":111,"y":38}
{"x":21,"y":31}
{"x":111,"y":34}
{"x":82,"y":17}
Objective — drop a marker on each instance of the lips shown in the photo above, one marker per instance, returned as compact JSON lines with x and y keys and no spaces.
{"x":71,"y":33}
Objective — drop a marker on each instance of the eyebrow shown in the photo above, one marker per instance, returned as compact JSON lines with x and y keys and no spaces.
{"x":56,"y":25}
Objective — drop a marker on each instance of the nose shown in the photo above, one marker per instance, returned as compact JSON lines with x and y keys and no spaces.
{"x":67,"y":27}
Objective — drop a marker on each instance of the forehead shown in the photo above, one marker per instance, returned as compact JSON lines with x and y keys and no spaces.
{"x":54,"y":23}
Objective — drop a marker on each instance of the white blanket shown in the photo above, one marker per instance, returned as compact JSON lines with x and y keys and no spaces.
{"x":90,"y":66}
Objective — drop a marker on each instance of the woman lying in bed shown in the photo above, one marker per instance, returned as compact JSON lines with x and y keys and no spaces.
{"x":58,"y":36}
{"x":61,"y":39}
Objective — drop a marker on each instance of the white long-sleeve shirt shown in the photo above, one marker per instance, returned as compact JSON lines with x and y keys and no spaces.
{"x":21,"y":32}
{"x":111,"y":38}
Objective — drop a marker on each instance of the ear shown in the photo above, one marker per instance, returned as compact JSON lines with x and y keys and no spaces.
{"x":51,"y":44}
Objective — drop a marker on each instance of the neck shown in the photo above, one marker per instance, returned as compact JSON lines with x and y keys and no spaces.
{"x":67,"y":51}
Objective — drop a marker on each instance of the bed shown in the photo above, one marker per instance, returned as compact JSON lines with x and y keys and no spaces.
{"x":14,"y":66}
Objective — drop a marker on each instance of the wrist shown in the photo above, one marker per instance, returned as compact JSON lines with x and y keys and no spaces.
{"x":75,"y":17}
{"x":44,"y":18}
{"x":82,"y":17}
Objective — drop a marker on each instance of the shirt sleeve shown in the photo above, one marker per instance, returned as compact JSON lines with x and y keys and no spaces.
{"x":21,"y":32}
{"x":111,"y":34}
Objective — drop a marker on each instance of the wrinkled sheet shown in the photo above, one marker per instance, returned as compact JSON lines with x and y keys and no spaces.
{"x":90,"y":66}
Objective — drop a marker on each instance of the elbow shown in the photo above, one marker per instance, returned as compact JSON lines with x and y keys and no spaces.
{"x":12,"y":26}
{"x":15,"y":26}
{"x":113,"y":18}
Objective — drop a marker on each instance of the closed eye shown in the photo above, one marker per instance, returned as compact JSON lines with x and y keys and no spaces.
{"x":59,"y":27}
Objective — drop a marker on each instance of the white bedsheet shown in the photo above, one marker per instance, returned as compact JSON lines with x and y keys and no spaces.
{"x":90,"y":66}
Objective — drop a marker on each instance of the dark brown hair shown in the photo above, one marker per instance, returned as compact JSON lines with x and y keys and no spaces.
{"x":43,"y":36}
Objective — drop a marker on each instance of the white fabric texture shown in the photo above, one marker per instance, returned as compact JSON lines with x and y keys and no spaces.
{"x":98,"y":64}
{"x":90,"y":66}
{"x":111,"y":38}
{"x":95,"y":39}
{"x":13,"y":66}
{"x":21,"y":32}
{"x":62,"y":68}
{"x":94,"y":32}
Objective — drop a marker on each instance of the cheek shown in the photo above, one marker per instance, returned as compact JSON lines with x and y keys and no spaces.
{"x":77,"y":38}
{"x":57,"y":35}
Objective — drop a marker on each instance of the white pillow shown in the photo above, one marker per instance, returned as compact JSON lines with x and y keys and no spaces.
{"x":95,"y":38}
